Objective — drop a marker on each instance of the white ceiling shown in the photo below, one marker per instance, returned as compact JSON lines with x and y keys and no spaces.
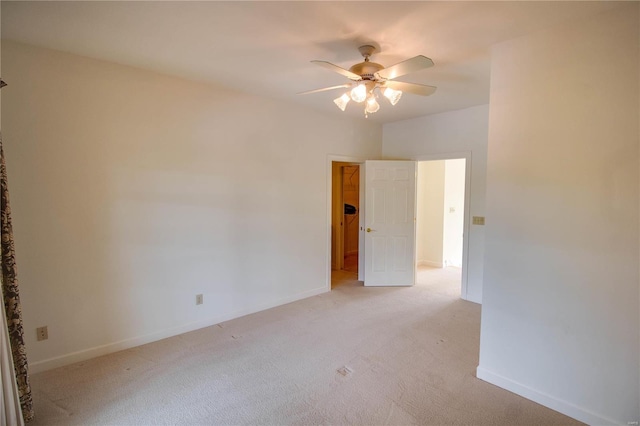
{"x":265,"y":47}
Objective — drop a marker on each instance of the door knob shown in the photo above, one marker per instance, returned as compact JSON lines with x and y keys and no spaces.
{"x":369,"y":229}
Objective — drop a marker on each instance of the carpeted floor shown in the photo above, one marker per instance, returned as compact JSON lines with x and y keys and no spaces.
{"x":356,"y":355}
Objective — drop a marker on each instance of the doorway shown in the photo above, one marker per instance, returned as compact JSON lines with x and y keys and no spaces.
{"x":332,"y":180}
{"x":345,"y":222}
{"x":440,"y":221}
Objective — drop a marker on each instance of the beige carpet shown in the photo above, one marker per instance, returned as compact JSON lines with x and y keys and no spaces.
{"x":352,"y":356}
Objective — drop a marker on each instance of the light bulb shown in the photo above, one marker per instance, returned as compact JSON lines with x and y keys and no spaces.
{"x":342,"y":101}
{"x":372,"y":105}
{"x":392,"y":95}
{"x":359,"y":93}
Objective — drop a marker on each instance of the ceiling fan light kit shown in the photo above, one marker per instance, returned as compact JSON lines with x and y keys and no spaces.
{"x":393,"y":95}
{"x":369,"y":79}
{"x":359,"y":93}
{"x":342,"y":101}
{"x":372,"y":105}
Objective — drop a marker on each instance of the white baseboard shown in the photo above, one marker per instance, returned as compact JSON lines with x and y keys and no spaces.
{"x":471,"y":299}
{"x":97,"y":351}
{"x":545,"y":399}
{"x":430,"y":263}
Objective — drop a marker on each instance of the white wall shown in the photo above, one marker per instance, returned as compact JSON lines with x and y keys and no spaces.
{"x":1,"y":69}
{"x":453,"y":224}
{"x":430,"y":213}
{"x":451,"y":132}
{"x":560,"y":314}
{"x":134,"y":191}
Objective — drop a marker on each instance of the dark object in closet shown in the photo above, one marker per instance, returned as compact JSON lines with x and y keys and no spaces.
{"x":349,"y":209}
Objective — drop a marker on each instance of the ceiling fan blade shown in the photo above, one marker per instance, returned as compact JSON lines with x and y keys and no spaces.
{"x":405,"y":67}
{"x":324,"y":89}
{"x":416,"y":89}
{"x":335,"y":68}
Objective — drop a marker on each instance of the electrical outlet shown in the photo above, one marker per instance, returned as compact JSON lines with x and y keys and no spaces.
{"x":478,"y":220}
{"x":199,"y":299}
{"x":42,"y":333}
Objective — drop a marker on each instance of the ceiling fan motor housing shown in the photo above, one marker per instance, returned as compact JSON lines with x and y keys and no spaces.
{"x":366,"y":69}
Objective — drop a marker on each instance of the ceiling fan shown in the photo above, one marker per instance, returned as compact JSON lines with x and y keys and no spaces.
{"x":368,"y":76}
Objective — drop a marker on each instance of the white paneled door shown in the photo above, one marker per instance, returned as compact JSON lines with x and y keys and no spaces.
{"x":390,"y":223}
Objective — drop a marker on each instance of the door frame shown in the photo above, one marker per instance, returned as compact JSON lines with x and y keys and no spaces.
{"x":467,"y":212}
{"x":330,"y":160}
{"x":337,"y":182}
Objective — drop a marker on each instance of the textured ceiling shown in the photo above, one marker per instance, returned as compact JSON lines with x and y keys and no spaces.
{"x":266,"y":47}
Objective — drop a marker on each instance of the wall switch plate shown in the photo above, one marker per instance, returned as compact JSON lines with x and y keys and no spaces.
{"x":199,"y":299}
{"x":42,"y":333}
{"x":478,"y":220}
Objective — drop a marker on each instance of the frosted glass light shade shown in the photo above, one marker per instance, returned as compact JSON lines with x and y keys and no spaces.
{"x":359,"y":93}
{"x":342,"y":101}
{"x":372,"y":105}
{"x":392,"y":95}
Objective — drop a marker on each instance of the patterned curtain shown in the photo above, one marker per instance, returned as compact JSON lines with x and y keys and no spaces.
{"x":11,"y":296}
{"x":10,"y":410}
